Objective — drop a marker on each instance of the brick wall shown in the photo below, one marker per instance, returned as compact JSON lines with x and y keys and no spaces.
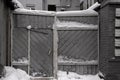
{"x":106,"y":37}
{"x":108,"y":65}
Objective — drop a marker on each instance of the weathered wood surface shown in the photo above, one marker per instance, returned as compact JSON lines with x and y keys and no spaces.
{"x":36,"y":21}
{"x":41,"y":42}
{"x":81,"y":19}
{"x":78,"y":44}
{"x":55,"y":48}
{"x":77,"y":28}
{"x":42,"y":53}
{"x":80,"y":68}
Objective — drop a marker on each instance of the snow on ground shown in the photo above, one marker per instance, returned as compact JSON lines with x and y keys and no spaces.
{"x":15,"y":74}
{"x":18,"y":74}
{"x":75,"y":24}
{"x":74,"y":76}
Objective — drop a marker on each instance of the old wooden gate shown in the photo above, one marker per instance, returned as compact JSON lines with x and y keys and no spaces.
{"x":32,"y":43}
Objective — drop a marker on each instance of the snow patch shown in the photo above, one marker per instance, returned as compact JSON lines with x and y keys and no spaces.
{"x":96,"y":5}
{"x":75,"y":24}
{"x":15,"y":74}
{"x":65,"y":59}
{"x":62,"y":75}
{"x":22,"y":60}
{"x":17,"y":4}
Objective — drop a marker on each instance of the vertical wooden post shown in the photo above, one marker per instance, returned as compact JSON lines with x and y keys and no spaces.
{"x":98,"y":41}
{"x":12,"y":25}
{"x":55,"y":49}
{"x":29,"y":27}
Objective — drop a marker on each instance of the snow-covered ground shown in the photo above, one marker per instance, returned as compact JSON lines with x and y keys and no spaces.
{"x":15,"y":74}
{"x":18,"y":74}
{"x":74,"y":76}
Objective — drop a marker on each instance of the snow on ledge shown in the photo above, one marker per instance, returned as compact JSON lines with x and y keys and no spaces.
{"x":71,"y":24}
{"x":88,"y":12}
{"x":34,"y":12}
{"x":96,"y":5}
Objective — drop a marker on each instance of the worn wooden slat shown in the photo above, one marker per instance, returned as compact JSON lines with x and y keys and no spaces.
{"x":77,"y":69}
{"x":78,"y":63}
{"x":80,"y":69}
{"x":82,"y":19}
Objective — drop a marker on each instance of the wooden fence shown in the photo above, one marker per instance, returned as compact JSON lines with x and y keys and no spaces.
{"x":41,"y":46}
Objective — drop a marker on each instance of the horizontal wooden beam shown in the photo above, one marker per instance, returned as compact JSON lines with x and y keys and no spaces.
{"x":77,"y":28}
{"x":78,"y":63}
